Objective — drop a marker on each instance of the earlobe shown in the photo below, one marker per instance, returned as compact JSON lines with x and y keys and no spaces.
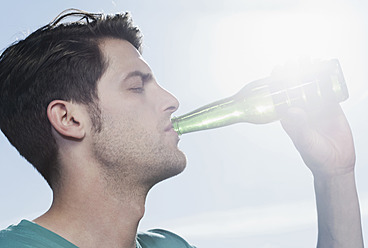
{"x":64,"y":117}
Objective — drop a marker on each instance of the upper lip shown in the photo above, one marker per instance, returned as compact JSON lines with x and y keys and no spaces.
{"x":169,"y":127}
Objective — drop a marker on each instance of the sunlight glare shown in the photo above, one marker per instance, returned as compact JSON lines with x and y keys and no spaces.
{"x":248,"y":46}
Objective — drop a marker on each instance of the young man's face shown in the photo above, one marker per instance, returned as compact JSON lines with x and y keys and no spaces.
{"x":137,"y":142}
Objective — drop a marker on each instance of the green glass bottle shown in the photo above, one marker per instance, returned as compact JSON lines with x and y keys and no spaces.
{"x":305,"y":85}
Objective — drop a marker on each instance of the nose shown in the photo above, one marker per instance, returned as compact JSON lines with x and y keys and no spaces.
{"x":170,"y":102}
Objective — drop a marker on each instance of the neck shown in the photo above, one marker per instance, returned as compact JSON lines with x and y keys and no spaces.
{"x":89,"y":214}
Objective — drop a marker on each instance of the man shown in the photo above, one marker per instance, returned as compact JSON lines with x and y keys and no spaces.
{"x":79,"y":102}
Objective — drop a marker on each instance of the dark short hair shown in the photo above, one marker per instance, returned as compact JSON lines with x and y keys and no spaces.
{"x":61,"y":60}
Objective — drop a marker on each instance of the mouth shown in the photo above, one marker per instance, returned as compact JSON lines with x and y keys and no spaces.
{"x":170,"y":129}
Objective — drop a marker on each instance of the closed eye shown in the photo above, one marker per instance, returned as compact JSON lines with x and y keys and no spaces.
{"x":138,"y":87}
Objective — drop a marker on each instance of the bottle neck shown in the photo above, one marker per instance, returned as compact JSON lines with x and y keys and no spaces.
{"x":214,"y":115}
{"x":252,"y":104}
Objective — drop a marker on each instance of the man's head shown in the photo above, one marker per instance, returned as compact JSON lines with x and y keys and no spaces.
{"x":56,"y":62}
{"x":136,"y":144}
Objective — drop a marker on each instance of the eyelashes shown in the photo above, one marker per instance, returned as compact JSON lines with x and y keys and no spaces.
{"x":137,"y":89}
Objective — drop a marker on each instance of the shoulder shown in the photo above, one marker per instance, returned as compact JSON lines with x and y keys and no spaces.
{"x":161,"y":238}
{"x":9,"y":237}
{"x":28,"y":234}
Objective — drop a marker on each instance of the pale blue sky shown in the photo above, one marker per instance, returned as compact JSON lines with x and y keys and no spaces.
{"x":244,"y":185}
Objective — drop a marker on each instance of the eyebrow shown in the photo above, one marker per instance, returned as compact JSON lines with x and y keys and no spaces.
{"x":142,"y":75}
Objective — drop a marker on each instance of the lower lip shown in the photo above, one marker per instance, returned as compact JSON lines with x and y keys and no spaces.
{"x":172,"y":131}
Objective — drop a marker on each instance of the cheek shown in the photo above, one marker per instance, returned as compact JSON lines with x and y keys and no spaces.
{"x":140,"y":122}
{"x":142,"y":112}
{"x":137,"y":114}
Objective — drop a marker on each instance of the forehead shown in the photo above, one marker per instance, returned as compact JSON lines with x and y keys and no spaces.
{"x":122,"y":58}
{"x":120,"y":53}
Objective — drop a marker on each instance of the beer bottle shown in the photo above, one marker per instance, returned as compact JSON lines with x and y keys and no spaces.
{"x":305,"y":85}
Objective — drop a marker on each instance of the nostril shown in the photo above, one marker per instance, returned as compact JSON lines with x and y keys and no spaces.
{"x":172,"y":103}
{"x":171,"y":109}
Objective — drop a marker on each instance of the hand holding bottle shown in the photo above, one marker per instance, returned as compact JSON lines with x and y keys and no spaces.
{"x":325,"y":143}
{"x":323,"y":139}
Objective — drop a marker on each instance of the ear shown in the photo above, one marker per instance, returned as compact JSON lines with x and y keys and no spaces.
{"x":66,"y":119}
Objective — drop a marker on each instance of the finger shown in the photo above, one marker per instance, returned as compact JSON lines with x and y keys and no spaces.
{"x":295,"y":122}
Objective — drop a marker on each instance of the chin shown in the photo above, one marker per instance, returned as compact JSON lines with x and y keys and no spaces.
{"x":177,"y":166}
{"x":169,"y":168}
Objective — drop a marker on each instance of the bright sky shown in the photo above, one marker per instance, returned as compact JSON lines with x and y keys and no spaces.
{"x":244,"y":185}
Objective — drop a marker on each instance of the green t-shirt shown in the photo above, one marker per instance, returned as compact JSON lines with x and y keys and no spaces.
{"x":30,"y":235}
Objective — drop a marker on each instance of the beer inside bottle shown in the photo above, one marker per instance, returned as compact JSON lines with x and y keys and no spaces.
{"x":305,"y":85}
